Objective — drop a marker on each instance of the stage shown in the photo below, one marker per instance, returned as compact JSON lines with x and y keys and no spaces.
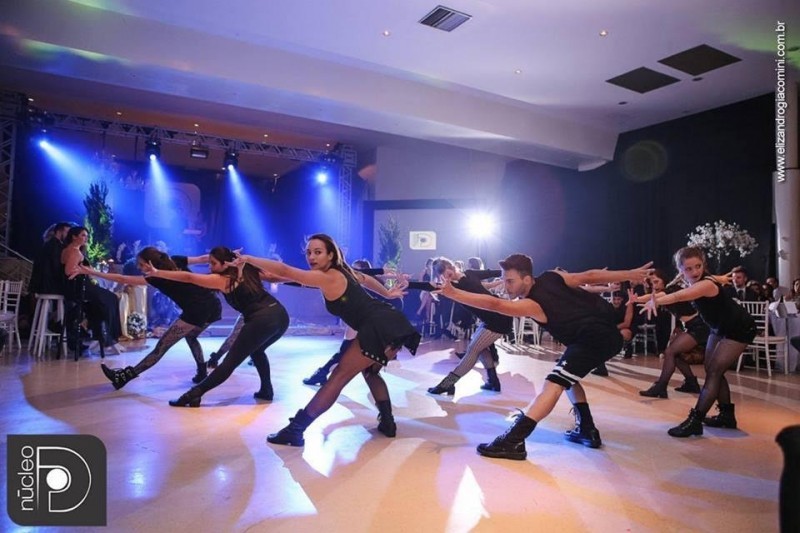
{"x":210,"y":469}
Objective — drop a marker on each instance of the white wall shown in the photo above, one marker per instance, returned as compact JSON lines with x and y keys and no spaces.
{"x":423,"y":170}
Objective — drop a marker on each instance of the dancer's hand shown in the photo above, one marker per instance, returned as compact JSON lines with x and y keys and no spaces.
{"x":639,"y":275}
{"x":445,"y":288}
{"x":395,"y":292}
{"x":650,"y":307}
{"x":724,"y":279}
{"x":149,"y":270}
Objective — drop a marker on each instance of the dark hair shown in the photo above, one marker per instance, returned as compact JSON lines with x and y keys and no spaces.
{"x":160,"y":260}
{"x":362,"y":263}
{"x":332,"y":248}
{"x":475,"y":263}
{"x":687,"y":252}
{"x":250,"y":274}
{"x":61,"y":225}
{"x":519,"y":262}
{"x":73,"y":232}
{"x":616,"y":294}
{"x":741,"y":269}
{"x":660,"y":274}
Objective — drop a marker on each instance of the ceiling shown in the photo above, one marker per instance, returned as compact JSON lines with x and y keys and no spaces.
{"x":522,"y":79}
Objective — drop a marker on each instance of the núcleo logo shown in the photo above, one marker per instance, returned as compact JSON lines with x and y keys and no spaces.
{"x":56,"y":480}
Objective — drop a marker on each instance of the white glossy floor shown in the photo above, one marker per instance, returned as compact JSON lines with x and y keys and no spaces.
{"x":210,"y":469}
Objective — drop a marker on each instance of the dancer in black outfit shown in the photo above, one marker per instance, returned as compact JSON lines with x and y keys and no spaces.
{"x":582,"y":321}
{"x":320,"y":375}
{"x":382,"y":332}
{"x":493,"y":327}
{"x":200,"y":308}
{"x":265,"y":320}
{"x":732,"y":329}
{"x":694,"y":333}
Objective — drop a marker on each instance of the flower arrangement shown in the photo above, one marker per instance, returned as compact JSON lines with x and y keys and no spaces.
{"x":137,"y":325}
{"x":720,"y":239}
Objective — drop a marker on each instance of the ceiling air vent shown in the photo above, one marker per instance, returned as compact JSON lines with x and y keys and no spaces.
{"x":444,"y":18}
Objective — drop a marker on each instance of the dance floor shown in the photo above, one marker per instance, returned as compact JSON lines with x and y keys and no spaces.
{"x":210,"y":469}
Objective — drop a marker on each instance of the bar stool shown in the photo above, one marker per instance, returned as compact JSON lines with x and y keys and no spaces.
{"x":40,"y":335}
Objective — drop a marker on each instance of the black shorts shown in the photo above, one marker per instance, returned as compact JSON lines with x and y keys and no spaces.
{"x":697,"y":329}
{"x":595,"y":344}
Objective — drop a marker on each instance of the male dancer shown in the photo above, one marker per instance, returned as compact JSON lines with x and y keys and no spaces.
{"x":582,"y":321}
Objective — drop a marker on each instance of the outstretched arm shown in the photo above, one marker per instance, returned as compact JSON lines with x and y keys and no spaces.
{"x":117,"y":278}
{"x":197,"y":259}
{"x":377,"y":287}
{"x":309,"y":278}
{"x":208,"y":281}
{"x":703,"y":288}
{"x":522,"y":307}
{"x":592,"y":277}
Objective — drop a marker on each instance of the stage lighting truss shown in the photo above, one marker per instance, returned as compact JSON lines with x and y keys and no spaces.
{"x":152,"y":149}
{"x":198,"y":152}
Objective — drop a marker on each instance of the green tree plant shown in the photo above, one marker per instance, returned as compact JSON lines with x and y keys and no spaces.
{"x":99,"y":221}
{"x":391,"y":248}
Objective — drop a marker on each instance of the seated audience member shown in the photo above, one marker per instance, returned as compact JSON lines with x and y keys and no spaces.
{"x":740,"y":289}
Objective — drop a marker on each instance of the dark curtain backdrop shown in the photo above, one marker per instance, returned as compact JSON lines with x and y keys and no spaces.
{"x":664,"y":181}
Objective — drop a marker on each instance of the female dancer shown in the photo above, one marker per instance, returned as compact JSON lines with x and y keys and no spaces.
{"x":492,"y":328}
{"x":320,"y":375}
{"x":382,"y":331}
{"x":103,"y":306}
{"x":200,"y":308}
{"x":265,"y":320}
{"x":695,"y":333}
{"x":732,"y":329}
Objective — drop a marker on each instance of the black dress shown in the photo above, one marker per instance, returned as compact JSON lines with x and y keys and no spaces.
{"x":102,"y":306}
{"x":378,"y":324}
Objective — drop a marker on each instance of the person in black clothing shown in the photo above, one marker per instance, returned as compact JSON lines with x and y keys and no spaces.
{"x":200,"y":308}
{"x":320,"y":375}
{"x":493,"y":327}
{"x":47,"y":277}
{"x":623,"y":316}
{"x":694,"y":332}
{"x":102,"y":304}
{"x":582,"y":321}
{"x":732,"y":329}
{"x":382,"y":332}
{"x":740,"y":289}
{"x":265,"y":320}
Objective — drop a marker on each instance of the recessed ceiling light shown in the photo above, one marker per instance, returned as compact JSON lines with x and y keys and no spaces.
{"x":30,"y":99}
{"x":518,"y":71}
{"x":197,"y":125}
{"x":274,"y":175}
{"x":603,"y":33}
{"x":386,"y":33}
{"x":327,"y":145}
{"x":119,"y":113}
{"x":266,"y":135}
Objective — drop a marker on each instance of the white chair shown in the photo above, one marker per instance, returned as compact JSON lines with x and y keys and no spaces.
{"x":645,"y":335}
{"x":40,"y":334}
{"x":764,"y":345}
{"x":10,"y":296}
{"x":525,"y":325}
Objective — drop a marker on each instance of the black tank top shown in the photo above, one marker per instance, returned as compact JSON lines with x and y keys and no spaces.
{"x":721,"y":313}
{"x":569,"y":309}
{"x":355,"y":306}
{"x":679,"y":309}
{"x":471,"y":282}
{"x":249,"y":300}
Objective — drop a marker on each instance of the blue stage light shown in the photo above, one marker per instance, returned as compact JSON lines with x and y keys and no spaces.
{"x":322,"y":177}
{"x":152,"y":149}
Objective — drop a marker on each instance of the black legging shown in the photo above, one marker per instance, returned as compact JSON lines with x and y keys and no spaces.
{"x":177,"y":331}
{"x":260,"y":330}
{"x":721,"y":353}
{"x":682,"y":342}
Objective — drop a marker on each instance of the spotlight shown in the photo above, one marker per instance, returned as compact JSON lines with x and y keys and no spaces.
{"x":152,"y":149}
{"x":481,"y":225}
{"x":198,"y":152}
{"x":322,"y":176}
{"x":231,"y":160}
